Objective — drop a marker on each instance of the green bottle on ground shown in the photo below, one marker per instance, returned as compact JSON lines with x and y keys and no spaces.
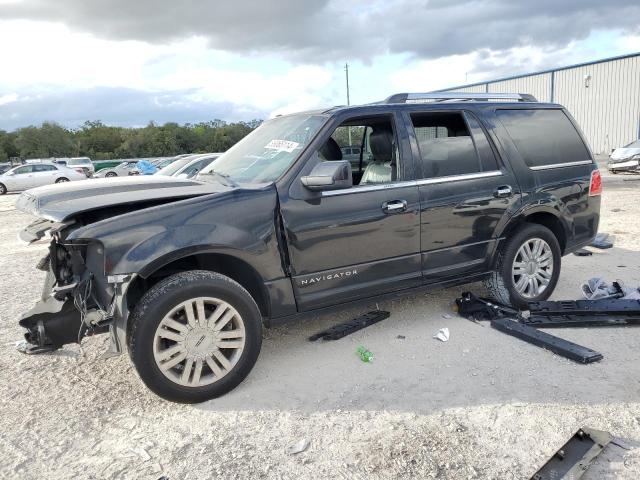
{"x":364,"y":354}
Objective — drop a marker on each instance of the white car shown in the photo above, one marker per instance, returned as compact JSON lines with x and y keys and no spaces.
{"x":189,"y":166}
{"x":34,"y":175}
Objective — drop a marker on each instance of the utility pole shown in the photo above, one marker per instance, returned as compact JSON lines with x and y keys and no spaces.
{"x":346,"y":72}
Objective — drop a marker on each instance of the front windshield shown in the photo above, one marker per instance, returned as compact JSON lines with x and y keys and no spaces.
{"x":267,"y":152}
{"x":635,"y":144}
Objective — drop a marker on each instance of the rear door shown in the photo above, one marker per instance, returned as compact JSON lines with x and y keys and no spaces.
{"x":362,"y":241}
{"x":44,"y":175}
{"x":466,"y":193}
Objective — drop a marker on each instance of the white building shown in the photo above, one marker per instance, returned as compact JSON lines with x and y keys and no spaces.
{"x":603,"y":96}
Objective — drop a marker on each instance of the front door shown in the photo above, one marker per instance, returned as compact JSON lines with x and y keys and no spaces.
{"x":362,"y":241}
{"x":466,"y":194}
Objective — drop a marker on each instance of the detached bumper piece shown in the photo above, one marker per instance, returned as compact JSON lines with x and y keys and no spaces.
{"x":557,"y":345}
{"x":575,"y":456}
{"x":51,"y":324}
{"x":342,"y":330}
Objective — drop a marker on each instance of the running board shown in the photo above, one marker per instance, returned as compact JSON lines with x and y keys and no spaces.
{"x":343,"y":329}
{"x":557,"y":345}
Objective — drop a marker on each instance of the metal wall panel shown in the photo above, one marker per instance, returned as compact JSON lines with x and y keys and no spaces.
{"x":607,"y":110}
{"x":537,"y":85}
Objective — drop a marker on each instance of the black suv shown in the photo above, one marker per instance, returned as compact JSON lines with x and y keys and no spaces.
{"x":449,"y":188}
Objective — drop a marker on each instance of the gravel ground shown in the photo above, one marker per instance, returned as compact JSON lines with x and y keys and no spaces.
{"x":483,"y":405}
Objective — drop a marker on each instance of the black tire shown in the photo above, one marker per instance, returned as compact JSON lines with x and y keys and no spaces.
{"x":165,"y":296}
{"x":111,"y":174}
{"x":3,"y":189}
{"x":62,"y":180}
{"x":500,"y":283}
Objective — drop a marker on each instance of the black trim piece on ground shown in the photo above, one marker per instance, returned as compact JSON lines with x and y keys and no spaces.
{"x":343,"y":329}
{"x":557,"y":345}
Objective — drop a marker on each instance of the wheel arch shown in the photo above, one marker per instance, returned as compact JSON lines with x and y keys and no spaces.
{"x":224,"y":263}
{"x":546,"y":217}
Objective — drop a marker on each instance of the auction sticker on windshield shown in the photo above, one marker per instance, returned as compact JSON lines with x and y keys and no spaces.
{"x":282,"y":145}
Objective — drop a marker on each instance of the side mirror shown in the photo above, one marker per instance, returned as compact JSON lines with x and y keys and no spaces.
{"x":335,"y":175}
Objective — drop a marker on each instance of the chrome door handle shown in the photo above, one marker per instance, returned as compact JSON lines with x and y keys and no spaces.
{"x":503,"y":191}
{"x":395,"y":206}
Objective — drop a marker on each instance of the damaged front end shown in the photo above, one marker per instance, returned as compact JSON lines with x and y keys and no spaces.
{"x":71,"y":306}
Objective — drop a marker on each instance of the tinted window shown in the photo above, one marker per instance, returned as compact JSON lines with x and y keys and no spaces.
{"x":544,"y":137}
{"x":446,"y":146}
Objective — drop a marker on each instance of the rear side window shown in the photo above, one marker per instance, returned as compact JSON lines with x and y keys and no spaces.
{"x":446,"y":145}
{"x":544,"y":137}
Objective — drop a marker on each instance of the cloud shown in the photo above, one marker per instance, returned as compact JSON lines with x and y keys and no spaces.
{"x":118,"y":106}
{"x":332,"y":30}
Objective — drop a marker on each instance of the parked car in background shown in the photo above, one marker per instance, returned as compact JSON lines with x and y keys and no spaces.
{"x":82,"y":162}
{"x":194,"y":167}
{"x":102,"y":164}
{"x":121,"y":170}
{"x":188,"y":166}
{"x":33,"y":175}
{"x":144,"y":167}
{"x":625,"y":159}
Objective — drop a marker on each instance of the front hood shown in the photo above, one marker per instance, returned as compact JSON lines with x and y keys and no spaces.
{"x":621,"y":154}
{"x":63,"y":201}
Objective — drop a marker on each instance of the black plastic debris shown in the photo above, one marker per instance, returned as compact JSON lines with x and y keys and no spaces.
{"x":603,"y":241}
{"x":583,"y":252}
{"x":554,"y":314}
{"x":574,"y":457}
{"x":343,"y":329}
{"x":557,"y":345}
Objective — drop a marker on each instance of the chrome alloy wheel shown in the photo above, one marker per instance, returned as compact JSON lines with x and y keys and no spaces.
{"x":199,"y":341}
{"x":532,"y":268}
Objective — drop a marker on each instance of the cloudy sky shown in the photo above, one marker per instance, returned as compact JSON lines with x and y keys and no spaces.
{"x":127,"y":62}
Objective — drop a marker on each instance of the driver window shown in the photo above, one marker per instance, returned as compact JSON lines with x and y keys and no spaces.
{"x":369,"y":144}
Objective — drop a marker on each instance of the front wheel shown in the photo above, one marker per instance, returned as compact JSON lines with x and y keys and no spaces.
{"x":195,"y":336}
{"x":527,"y":268}
{"x":111,"y":174}
{"x":3,"y":189}
{"x":62,"y":180}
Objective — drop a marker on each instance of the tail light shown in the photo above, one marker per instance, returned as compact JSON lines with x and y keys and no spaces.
{"x":79,"y":170}
{"x":595,"y":186}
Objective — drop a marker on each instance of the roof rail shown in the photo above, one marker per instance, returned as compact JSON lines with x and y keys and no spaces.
{"x":442,"y":96}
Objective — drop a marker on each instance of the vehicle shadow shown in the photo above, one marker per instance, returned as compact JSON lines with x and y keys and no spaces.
{"x":412,"y":371}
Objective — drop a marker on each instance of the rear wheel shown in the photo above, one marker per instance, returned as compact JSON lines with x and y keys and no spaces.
{"x":527,"y":268}
{"x":3,"y":189}
{"x":111,"y":174}
{"x":195,"y":336}
{"x":62,"y":180}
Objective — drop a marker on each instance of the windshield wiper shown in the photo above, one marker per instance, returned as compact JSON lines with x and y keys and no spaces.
{"x":226,"y":179}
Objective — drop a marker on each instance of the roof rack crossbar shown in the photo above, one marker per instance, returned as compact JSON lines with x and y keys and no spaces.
{"x":441,"y":96}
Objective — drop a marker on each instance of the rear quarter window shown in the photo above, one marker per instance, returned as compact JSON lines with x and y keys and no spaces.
{"x":544,"y":137}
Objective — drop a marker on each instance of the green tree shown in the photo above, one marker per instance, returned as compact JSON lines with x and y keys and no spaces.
{"x":48,"y":140}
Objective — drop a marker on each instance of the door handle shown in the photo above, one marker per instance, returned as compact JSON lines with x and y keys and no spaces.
{"x":395,"y":206}
{"x":503,"y":191}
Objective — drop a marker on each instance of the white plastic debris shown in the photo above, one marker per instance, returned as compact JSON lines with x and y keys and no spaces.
{"x":298,"y":447}
{"x":442,"y":335}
